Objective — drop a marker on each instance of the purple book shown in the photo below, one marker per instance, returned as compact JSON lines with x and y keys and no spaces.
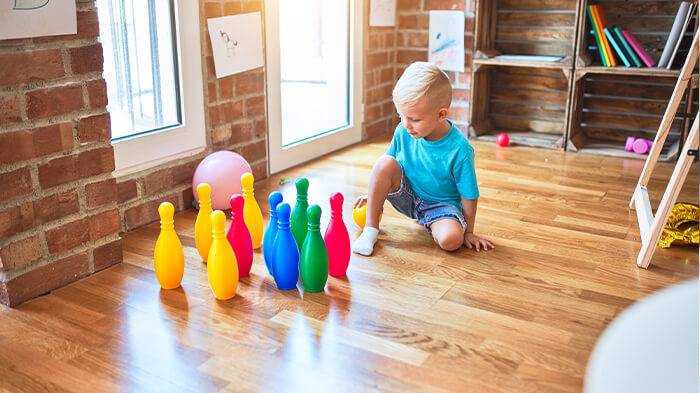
{"x":648,"y":61}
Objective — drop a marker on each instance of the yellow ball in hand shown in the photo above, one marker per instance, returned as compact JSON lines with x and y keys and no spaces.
{"x":359,"y":215}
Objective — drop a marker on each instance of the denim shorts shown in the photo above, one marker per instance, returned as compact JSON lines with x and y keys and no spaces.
{"x":426,"y":212}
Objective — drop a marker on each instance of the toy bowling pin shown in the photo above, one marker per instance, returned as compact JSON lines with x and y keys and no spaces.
{"x":299,"y":222}
{"x":251,"y":210}
{"x":313,"y":263}
{"x":275,"y":199}
{"x":202,"y":226}
{"x":168,"y":258}
{"x":286,"y":254}
{"x":222,"y":269}
{"x":239,"y":237}
{"x":337,"y":239}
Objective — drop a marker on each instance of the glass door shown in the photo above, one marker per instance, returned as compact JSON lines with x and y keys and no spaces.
{"x":314,"y":54}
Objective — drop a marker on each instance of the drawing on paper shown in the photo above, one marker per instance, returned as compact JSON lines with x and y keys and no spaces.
{"x":29,"y":4}
{"x":382,"y":13}
{"x":37,"y":18}
{"x":236,"y":43}
{"x":230,"y":44}
{"x":446,"y":40}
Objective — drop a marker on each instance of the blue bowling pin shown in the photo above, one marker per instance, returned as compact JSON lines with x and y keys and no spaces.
{"x":285,"y":257}
{"x":268,"y":245}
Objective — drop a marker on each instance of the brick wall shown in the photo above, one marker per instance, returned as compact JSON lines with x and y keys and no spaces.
{"x":234,"y":119}
{"x":58,"y":207}
{"x":380,"y":75}
{"x":412,"y":45}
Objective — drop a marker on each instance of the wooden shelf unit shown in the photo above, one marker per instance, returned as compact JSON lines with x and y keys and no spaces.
{"x":527,"y":98}
{"x":574,"y":103}
{"x":608,"y":104}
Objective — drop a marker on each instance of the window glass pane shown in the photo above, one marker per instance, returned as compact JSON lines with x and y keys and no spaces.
{"x":140,"y":65}
{"x":314,"y":55}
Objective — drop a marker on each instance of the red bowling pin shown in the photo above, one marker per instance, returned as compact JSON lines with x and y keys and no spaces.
{"x":239,"y":237}
{"x":337,"y":239}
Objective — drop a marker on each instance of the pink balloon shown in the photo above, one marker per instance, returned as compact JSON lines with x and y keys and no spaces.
{"x":222,"y":170}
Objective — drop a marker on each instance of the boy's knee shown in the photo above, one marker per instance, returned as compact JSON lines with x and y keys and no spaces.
{"x":387,"y":164}
{"x":450,"y":241}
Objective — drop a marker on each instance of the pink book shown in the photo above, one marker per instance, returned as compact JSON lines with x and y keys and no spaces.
{"x":648,"y":61}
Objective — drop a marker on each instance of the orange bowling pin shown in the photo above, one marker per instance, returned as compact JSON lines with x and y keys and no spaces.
{"x":222,"y":268}
{"x":251,"y":210}
{"x":202,"y":227}
{"x":168,"y":258}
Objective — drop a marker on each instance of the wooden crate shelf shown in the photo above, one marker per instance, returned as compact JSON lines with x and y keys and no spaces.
{"x":610,"y":107}
{"x":572,"y":101}
{"x":513,"y":89}
{"x":529,"y":103}
{"x":649,"y":21}
{"x":525,"y":27}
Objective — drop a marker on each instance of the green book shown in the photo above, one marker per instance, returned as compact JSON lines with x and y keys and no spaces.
{"x":596,"y":35}
{"x":630,"y":52}
{"x":617,"y":47}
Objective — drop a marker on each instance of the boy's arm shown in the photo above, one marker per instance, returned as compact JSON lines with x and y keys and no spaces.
{"x":470,"y":239}
{"x":469,"y":211}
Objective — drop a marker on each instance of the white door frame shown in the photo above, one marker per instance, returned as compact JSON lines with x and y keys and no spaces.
{"x":279,"y":157}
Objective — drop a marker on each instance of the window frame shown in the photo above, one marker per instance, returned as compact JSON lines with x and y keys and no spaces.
{"x":146,"y":150}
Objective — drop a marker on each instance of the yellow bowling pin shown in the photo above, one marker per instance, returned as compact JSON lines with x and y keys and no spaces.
{"x":251,"y":211}
{"x":168,"y":258}
{"x":202,"y":227}
{"x":222,"y":267}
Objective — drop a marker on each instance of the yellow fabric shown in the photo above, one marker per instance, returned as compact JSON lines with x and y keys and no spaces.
{"x":682,"y":226}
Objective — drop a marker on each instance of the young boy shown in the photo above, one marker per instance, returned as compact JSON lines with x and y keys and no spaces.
{"x":428,"y":171}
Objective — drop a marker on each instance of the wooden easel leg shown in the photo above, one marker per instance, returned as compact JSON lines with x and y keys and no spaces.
{"x":669,"y":115}
{"x":672,"y":190}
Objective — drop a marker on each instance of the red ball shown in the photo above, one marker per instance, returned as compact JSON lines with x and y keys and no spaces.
{"x":502,"y":139}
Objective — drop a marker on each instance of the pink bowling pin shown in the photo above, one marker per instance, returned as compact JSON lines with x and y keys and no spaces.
{"x":239,"y":237}
{"x":337,"y":239}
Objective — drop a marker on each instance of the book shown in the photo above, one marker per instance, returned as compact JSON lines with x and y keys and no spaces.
{"x":602,"y":23}
{"x":674,"y":35}
{"x":594,"y":27}
{"x":639,"y":49}
{"x":618,"y":48}
{"x":688,"y":16}
{"x":628,"y":49}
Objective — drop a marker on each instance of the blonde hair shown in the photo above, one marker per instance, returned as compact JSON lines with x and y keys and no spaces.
{"x":423,"y":79}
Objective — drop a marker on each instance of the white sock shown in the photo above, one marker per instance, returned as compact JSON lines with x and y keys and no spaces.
{"x":364,"y":244}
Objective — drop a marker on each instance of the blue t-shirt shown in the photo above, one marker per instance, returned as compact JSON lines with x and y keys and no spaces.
{"x":437,"y":171}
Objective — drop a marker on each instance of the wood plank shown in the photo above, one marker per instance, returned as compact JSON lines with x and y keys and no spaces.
{"x":551,"y":97}
{"x":510,"y":18}
{"x":518,"y":33}
{"x":534,"y":48}
{"x":528,"y":82}
{"x":530,"y":110}
{"x":629,"y":121}
{"x":544,"y":5}
{"x":505,"y":122}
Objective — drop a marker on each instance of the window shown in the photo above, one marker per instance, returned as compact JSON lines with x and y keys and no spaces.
{"x":153,"y":70}
{"x":140,"y":65}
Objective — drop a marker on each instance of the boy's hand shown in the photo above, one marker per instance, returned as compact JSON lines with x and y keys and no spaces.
{"x":473,"y":241}
{"x":361,"y":200}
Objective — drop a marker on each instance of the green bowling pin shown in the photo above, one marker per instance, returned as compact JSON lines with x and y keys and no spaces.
{"x":298,"y":219}
{"x":313,"y":263}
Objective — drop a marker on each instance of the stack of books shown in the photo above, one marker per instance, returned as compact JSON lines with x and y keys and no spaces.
{"x":619,"y":47}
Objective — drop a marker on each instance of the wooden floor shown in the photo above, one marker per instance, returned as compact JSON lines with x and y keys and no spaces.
{"x":521,"y":318}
